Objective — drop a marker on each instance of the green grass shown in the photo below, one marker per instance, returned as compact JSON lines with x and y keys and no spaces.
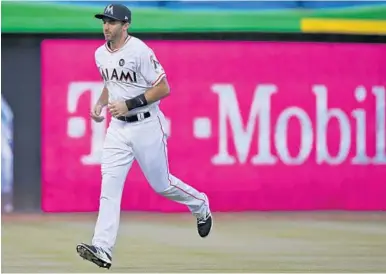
{"x":253,"y":242}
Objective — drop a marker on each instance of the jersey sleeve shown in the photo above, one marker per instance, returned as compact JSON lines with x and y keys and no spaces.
{"x":98,"y":64}
{"x":150,"y":68}
{"x":97,"y":59}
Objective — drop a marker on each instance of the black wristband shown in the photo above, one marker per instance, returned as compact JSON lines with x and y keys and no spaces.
{"x":136,"y":102}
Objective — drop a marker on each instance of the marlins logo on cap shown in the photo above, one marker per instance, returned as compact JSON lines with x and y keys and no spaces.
{"x":115,"y":12}
{"x":109,"y":10}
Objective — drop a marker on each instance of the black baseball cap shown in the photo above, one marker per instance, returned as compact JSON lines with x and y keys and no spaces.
{"x":116,"y":12}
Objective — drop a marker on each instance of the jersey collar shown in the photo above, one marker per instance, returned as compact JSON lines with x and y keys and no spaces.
{"x":112,"y":51}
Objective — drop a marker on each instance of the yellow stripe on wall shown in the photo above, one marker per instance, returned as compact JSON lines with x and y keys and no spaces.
{"x":343,"y":26}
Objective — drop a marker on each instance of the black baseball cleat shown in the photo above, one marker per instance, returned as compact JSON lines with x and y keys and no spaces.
{"x":204,"y":225}
{"x":94,"y":254}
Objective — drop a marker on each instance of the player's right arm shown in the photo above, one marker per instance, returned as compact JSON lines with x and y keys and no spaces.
{"x":100,"y":104}
{"x":102,"y":101}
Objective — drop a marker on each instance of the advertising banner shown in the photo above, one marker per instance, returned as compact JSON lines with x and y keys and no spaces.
{"x":255,"y":125}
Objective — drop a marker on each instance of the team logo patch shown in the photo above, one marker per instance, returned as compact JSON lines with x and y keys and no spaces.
{"x":155,"y":62}
{"x":121,"y":62}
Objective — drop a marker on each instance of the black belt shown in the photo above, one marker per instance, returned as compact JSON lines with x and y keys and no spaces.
{"x":134,"y":118}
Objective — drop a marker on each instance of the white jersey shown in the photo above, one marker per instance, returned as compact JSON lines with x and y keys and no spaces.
{"x":129,"y":71}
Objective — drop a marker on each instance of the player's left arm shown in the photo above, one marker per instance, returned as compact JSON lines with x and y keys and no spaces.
{"x":158,"y":92}
{"x":153,"y":72}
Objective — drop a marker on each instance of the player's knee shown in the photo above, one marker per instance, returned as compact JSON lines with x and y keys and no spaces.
{"x":160,"y":186}
{"x":163,"y":190}
{"x":160,"y":190}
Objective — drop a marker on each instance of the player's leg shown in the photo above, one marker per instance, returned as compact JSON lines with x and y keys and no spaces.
{"x":150,"y":150}
{"x":116,"y":161}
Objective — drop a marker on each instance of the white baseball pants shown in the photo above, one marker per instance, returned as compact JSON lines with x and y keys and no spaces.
{"x":144,"y":141}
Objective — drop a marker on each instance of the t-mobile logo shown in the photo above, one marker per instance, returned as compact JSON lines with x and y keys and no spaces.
{"x":77,"y":124}
{"x":354,"y":128}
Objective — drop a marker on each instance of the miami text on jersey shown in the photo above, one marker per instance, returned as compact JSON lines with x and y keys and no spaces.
{"x":118,"y":75}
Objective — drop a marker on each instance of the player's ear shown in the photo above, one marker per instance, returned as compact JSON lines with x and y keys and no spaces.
{"x":126,"y":26}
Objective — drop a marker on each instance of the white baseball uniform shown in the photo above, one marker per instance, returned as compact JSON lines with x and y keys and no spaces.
{"x":128,"y":72}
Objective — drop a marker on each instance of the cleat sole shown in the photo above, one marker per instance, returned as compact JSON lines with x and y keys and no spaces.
{"x":86,"y":254}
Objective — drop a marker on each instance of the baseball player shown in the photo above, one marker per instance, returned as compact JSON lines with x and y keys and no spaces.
{"x":134,"y":84}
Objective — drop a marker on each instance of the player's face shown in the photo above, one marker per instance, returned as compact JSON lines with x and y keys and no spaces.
{"x":113,"y":30}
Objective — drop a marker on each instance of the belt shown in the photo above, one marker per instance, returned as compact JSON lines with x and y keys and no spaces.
{"x":134,"y":118}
